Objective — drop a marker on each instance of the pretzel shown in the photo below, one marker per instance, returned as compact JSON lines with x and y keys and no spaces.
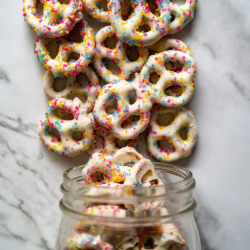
{"x":87,"y":241}
{"x":93,"y":8}
{"x":61,"y":65}
{"x":182,"y":147}
{"x":165,"y":44}
{"x":182,"y":14}
{"x":170,"y":89}
{"x":106,"y":143}
{"x":147,"y":23}
{"x":67,"y":130}
{"x":56,"y":20}
{"x":128,"y":120}
{"x":74,"y":86}
{"x":127,"y":65}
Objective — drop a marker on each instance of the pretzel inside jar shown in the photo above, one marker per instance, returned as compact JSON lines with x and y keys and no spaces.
{"x":51,"y":18}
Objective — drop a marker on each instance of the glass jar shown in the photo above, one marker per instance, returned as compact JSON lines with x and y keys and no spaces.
{"x":156,"y":217}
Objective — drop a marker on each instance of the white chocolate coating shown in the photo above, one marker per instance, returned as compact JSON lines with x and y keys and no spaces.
{"x":122,"y":127}
{"x":87,"y":241}
{"x":92,"y":7}
{"x":106,"y":211}
{"x":67,"y":117}
{"x":183,"y":14}
{"x":57,"y":19}
{"x":74,"y":88}
{"x":182,"y":148}
{"x":128,"y":30}
{"x":168,"y":78}
{"x":60,"y":66}
{"x":117,"y":55}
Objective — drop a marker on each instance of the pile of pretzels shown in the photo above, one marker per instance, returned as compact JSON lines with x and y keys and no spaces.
{"x":145,"y":76}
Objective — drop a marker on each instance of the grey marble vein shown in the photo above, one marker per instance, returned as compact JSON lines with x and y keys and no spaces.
{"x":4,"y":77}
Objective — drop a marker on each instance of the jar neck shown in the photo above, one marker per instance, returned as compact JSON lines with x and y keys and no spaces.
{"x":160,"y":202}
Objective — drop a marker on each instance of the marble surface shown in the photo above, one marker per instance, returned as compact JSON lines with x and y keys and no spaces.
{"x":30,"y":175}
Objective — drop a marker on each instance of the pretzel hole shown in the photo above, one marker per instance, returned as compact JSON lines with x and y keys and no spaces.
{"x":153,"y":7}
{"x":110,"y":42}
{"x":64,"y":1}
{"x":132,"y":53}
{"x":166,"y":146}
{"x":126,"y":9}
{"x":184,"y":133}
{"x":149,"y":243}
{"x":172,"y":18}
{"x":73,"y":57}
{"x":130,"y":121}
{"x":53,"y":48}
{"x":60,"y":84}
{"x":75,"y":35}
{"x":154,"y":77}
{"x":143,"y":28}
{"x":165,"y":119}
{"x":148,"y":174}
{"x":178,"y":1}
{"x":103,"y":4}
{"x":98,"y":176}
{"x":111,"y":105}
{"x":77,"y":135}
{"x":132,"y":97}
{"x":131,"y":77}
{"x":82,"y":80}
{"x":111,"y":66}
{"x":64,"y":114}
{"x":39,"y":8}
{"x":54,"y":134}
{"x":83,"y":98}
{"x":175,"y":90}
{"x":173,"y":66}
{"x":99,"y":140}
{"x":121,"y":143}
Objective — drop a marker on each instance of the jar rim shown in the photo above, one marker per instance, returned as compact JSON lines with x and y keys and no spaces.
{"x":186,"y":183}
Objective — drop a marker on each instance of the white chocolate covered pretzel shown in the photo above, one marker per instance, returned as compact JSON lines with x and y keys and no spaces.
{"x":74,"y":86}
{"x":87,"y":241}
{"x":105,"y":142}
{"x":171,"y":88}
{"x":106,"y":211}
{"x":98,"y":12}
{"x":165,"y":44}
{"x":62,"y":65}
{"x":181,"y":147}
{"x":56,"y":20}
{"x":139,"y":22}
{"x":129,"y":119}
{"x":118,"y":54}
{"x":67,"y":130}
{"x":182,"y":15}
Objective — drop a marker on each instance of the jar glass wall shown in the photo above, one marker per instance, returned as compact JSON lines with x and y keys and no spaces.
{"x":157,"y":217}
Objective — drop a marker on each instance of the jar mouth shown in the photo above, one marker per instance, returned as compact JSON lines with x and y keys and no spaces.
{"x":183,"y":181}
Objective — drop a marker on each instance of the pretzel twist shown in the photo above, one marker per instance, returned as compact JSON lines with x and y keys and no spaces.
{"x":61,"y":66}
{"x":130,"y":31}
{"x":182,"y":13}
{"x":117,"y":55}
{"x":181,"y":148}
{"x":57,"y":19}
{"x":169,"y":79}
{"x":74,"y":87}
{"x":138,"y":112}
{"x":66,"y":117}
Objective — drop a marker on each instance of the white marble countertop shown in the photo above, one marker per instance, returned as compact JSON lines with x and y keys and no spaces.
{"x":30,"y":175}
